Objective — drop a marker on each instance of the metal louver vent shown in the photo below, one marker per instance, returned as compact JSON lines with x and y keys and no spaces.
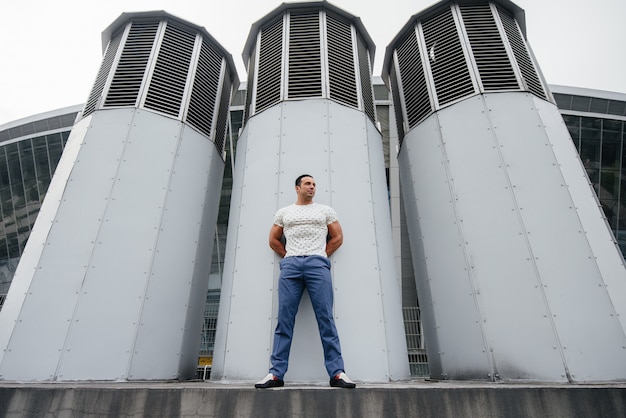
{"x":222,"y":114}
{"x":341,"y":68}
{"x":366,"y":80}
{"x":169,"y":78}
{"x":270,"y":66}
{"x":525,"y":64}
{"x":305,"y":70}
{"x":494,"y":66}
{"x":412,"y":82}
{"x":103,"y":74}
{"x":131,"y":68}
{"x":447,"y":62}
{"x":200,"y":113}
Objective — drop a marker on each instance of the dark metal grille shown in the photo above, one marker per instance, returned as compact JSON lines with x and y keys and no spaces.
{"x":270,"y":66}
{"x":222,"y":114}
{"x":413,"y":82}
{"x":447,"y":62}
{"x":205,"y":89}
{"x":418,"y":359}
{"x":103,"y":74}
{"x":494,"y":66}
{"x":525,"y":64}
{"x":341,"y":69}
{"x":250,"y":88}
{"x":131,"y":69}
{"x":167,"y":85}
{"x":366,"y":80}
{"x":305,"y":69}
{"x":395,"y":95}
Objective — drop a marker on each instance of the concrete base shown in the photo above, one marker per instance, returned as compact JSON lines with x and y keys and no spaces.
{"x":408,"y":399}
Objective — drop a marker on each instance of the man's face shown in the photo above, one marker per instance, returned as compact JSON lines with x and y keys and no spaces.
{"x":306,"y":187}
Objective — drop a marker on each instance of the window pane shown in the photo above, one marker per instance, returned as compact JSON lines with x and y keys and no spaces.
{"x":563,"y":101}
{"x":15,"y":173}
{"x":573,"y":126}
{"x":581,"y":103}
{"x":6,"y":200}
{"x":599,"y":105}
{"x":611,"y":154}
{"x":13,"y":247}
{"x":27,"y":161}
{"x":609,"y":182}
{"x":55,"y":149}
{"x":610,"y":211}
{"x":617,"y":108}
{"x":381,"y":92}
{"x":4,"y":168}
{"x":42,"y":165}
{"x":590,"y":156}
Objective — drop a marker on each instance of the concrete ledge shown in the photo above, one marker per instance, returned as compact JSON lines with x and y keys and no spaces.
{"x":410,"y":399}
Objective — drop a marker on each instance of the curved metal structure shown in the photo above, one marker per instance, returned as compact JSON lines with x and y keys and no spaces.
{"x":309,"y":109}
{"x":513,"y":256}
{"x":113,"y":280}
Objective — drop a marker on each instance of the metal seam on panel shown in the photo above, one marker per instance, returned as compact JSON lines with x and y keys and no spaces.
{"x":466,"y":257}
{"x":532,"y":258}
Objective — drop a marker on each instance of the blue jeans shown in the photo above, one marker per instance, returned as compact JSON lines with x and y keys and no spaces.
{"x":296,"y":274}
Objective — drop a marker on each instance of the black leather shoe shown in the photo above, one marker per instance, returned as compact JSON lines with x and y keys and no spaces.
{"x":342,"y":381}
{"x":270,"y":381}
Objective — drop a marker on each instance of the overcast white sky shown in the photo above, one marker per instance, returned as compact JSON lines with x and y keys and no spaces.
{"x":50,"y":50}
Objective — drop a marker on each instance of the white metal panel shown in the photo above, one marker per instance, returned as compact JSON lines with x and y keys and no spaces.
{"x":360,"y":282}
{"x":58,"y":283}
{"x":306,"y":147}
{"x":245,"y":319}
{"x":455,"y":345}
{"x":500,"y":261}
{"x":606,"y":253}
{"x":525,"y":255}
{"x":418,"y":258}
{"x":564,"y":258}
{"x":325,"y":140}
{"x":389,"y":273}
{"x":175,"y":297}
{"x":27,"y":268}
{"x":107,"y":317}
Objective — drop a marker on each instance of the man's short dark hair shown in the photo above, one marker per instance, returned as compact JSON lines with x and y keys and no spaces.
{"x":299,"y":179}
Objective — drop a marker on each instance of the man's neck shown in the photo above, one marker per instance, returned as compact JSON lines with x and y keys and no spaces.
{"x":304,"y":201}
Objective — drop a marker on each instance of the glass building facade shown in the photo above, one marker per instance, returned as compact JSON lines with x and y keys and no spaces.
{"x":30,"y":150}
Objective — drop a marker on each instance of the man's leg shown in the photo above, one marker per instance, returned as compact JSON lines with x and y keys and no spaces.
{"x":320,"y":287}
{"x":290,"y":289}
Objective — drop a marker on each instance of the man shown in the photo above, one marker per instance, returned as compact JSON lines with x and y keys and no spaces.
{"x":312,"y":234}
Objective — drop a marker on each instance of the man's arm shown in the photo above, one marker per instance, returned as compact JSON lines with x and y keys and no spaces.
{"x":276,"y":233}
{"x":336,"y":238}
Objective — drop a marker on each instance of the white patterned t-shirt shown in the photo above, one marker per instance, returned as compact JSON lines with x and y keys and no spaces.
{"x":305,"y":228}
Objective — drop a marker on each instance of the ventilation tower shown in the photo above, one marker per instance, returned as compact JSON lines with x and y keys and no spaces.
{"x":518,"y":274}
{"x":310,"y":109}
{"x":113,"y":280}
